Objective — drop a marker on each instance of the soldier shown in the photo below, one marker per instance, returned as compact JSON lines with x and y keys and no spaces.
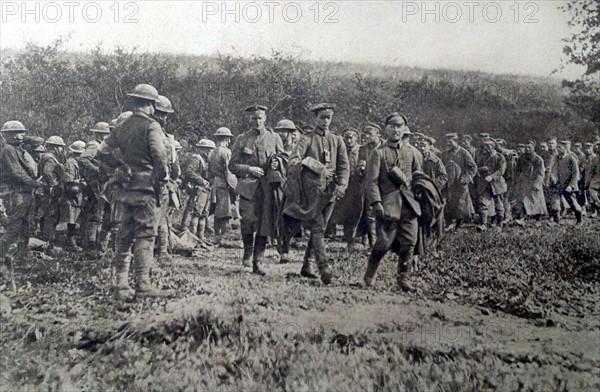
{"x":72,"y":196}
{"x":562,"y":181}
{"x":195,"y":174}
{"x":584,"y":164}
{"x":592,"y":181}
{"x":432,"y":164}
{"x":466,"y":142}
{"x":95,"y":209}
{"x":51,"y":170}
{"x":371,"y":140}
{"x":17,"y":183}
{"x":461,"y":169}
{"x":529,"y":185}
{"x":250,"y":158}
{"x":324,"y":156}
{"x":388,"y":190}
{"x":141,"y":141}
{"x":349,"y":209}
{"x":223,"y":195}
{"x":277,"y":174}
{"x":490,"y":183}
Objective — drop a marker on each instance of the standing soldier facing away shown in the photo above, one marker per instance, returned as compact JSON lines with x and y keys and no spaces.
{"x":490,"y":183}
{"x":323,"y":160}
{"x":141,"y":141}
{"x":250,"y":158}
{"x":72,"y":197}
{"x":223,"y":182}
{"x":51,"y":170}
{"x":388,"y":191}
{"x":562,"y":180}
{"x":17,"y":183}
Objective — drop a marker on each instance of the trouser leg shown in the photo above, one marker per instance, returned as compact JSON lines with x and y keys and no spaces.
{"x":260,"y":244}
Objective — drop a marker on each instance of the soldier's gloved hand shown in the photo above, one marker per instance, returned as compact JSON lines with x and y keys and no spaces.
{"x":377,"y":209}
{"x":256,"y":171}
{"x":339,"y":193}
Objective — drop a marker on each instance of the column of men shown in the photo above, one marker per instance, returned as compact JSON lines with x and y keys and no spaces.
{"x":395,"y":191}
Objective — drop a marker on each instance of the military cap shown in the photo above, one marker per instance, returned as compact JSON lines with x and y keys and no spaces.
{"x":484,"y":135}
{"x":565,"y":142}
{"x":350,"y":129}
{"x":39,"y":148}
{"x":451,"y":136}
{"x":532,"y":142}
{"x":13,"y":126}
{"x":394,"y":118}
{"x":206,"y":143}
{"x":322,"y":106}
{"x":253,"y":108}
{"x":77,"y":146}
{"x":489,"y":140}
{"x":501,"y":141}
{"x":33,"y":141}
{"x":552,"y":139}
{"x":144,"y":91}
{"x":543,"y":144}
{"x":285,"y":125}
{"x":466,"y":137}
{"x":56,"y":141}
{"x":101,"y":127}
{"x":163,"y":104}
{"x":428,"y":139}
{"x":521,"y":145}
{"x":418,"y":135}
{"x":589,"y":144}
{"x":223,"y":132}
{"x":578,"y":145}
{"x":373,"y":125}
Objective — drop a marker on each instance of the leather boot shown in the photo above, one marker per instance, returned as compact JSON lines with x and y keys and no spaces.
{"x":186,"y":219}
{"x":321,"y":258}
{"x":578,"y":216}
{"x":248,"y":241}
{"x":372,"y":265}
{"x":306,"y":271}
{"x":404,"y":262}
{"x":143,"y":256}
{"x":89,"y":242}
{"x":260,"y":243}
{"x":201,"y":228}
{"x":123,"y":290}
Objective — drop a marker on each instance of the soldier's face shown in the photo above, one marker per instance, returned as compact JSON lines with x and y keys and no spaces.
{"x":423,"y":147}
{"x":284,"y":135}
{"x":257,"y":119}
{"x":552,"y":146}
{"x":371,"y":134}
{"x":588,"y":150}
{"x":395,"y":130}
{"x":323,"y":119}
{"x":561,"y":149}
{"x":465,"y":143}
{"x":350,"y":138}
{"x":529,"y":149}
{"x":451,"y":144}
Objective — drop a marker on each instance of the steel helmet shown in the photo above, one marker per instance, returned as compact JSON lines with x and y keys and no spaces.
{"x":39,"y":149}
{"x":145,"y":91}
{"x":13,"y":126}
{"x":56,"y":141}
{"x":101,"y":127}
{"x":223,"y":131}
{"x":206,"y":143}
{"x":163,"y":104}
{"x":286,"y":125}
{"x":77,"y":146}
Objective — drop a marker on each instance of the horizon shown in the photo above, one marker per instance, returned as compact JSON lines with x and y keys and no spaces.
{"x":510,"y":38}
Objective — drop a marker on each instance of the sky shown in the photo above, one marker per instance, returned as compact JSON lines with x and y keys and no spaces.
{"x":514,"y":37}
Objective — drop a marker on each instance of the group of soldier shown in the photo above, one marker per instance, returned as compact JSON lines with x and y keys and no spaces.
{"x":391,"y":188}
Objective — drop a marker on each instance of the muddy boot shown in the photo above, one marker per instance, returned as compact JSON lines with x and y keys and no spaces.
{"x":402,"y":279}
{"x":248,"y":241}
{"x":143,"y":257}
{"x":306,"y":271}
{"x":71,"y":240}
{"x":372,"y":266}
{"x":260,"y":243}
{"x":89,"y":240}
{"x":578,"y":216}
{"x":123,"y":290}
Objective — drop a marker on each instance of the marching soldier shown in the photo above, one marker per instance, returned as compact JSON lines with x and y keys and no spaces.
{"x":349,"y":209}
{"x":95,"y":209}
{"x":141,"y":141}
{"x":432,"y":164}
{"x":466,"y":142}
{"x":461,"y":169}
{"x":592,"y":181}
{"x":223,"y":196}
{"x":195,"y":174}
{"x":529,"y":185}
{"x":371,"y":140}
{"x":17,"y":183}
{"x":490,"y":183}
{"x":388,"y":191}
{"x":562,"y":180}
{"x":324,"y":156}
{"x":51,"y":170}
{"x":72,"y":196}
{"x":250,"y":158}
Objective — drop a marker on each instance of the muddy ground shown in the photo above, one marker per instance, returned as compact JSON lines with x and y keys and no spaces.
{"x":516,"y":309}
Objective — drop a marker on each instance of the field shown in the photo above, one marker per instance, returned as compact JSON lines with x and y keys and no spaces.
{"x":500,"y":310}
